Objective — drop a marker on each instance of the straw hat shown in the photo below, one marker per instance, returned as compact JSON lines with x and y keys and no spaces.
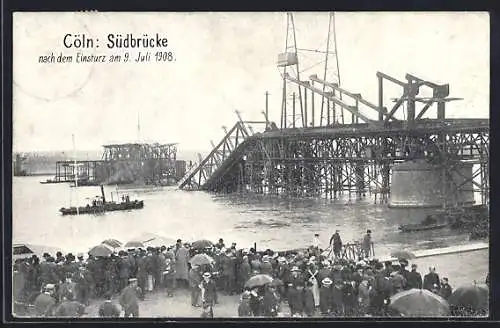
{"x":132,"y":280}
{"x":207,"y":275}
{"x":295,"y":269}
{"x":327,"y":281}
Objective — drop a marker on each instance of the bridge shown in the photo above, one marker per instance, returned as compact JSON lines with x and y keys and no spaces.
{"x":355,"y":158}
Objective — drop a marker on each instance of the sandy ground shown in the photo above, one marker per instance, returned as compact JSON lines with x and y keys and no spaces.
{"x":158,"y":304}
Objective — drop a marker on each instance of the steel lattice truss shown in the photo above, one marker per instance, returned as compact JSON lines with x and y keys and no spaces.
{"x":334,"y":159}
{"x":150,"y":162}
{"x":332,"y":165}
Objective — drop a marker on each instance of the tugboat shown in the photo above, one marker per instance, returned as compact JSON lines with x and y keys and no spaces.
{"x":430,"y":223}
{"x":101,"y":206}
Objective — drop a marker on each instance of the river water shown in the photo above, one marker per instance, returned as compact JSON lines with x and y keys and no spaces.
{"x":271,"y":223}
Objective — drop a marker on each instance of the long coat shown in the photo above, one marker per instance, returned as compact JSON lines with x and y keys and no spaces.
{"x":181,"y":263}
{"x":70,"y":309}
{"x":44,"y":304}
{"x":109,"y":310}
{"x":325,"y":299}
{"x":129,"y":298}
{"x":414,"y":280}
{"x":266,"y":268}
{"x":244,"y":309}
{"x":430,"y":280}
{"x":309,"y":302}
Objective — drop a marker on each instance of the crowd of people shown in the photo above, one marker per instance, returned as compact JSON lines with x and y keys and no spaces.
{"x":312,"y":281}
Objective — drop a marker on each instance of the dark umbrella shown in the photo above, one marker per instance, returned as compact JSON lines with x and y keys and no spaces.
{"x":112,"y":242}
{"x":403,"y":255}
{"x":200,"y":244}
{"x":419,"y":303}
{"x":474,"y":297}
{"x":102,"y":250}
{"x":201,"y":259}
{"x":258,"y":280}
{"x":134,"y":244}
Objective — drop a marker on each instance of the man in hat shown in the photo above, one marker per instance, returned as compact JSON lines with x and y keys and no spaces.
{"x":296,"y":277}
{"x":81,"y":261}
{"x":296,"y":299}
{"x":270,"y":301}
{"x":266,"y":266}
{"x":47,"y":271}
{"x":445,"y":290}
{"x":338,"y":298}
{"x":194,"y":283}
{"x":208,"y":292}
{"x":83,"y":283}
{"x":316,"y":243}
{"x":283,"y":273}
{"x":142,"y":272}
{"x":45,"y":302}
{"x":325,"y":296}
{"x":367,"y":243}
{"x":108,"y":309}
{"x":68,"y":287}
{"x":124,"y":267}
{"x":129,"y":299}
{"x":336,"y":244}
{"x":309,"y":299}
{"x":244,"y":309}
{"x":381,"y":290}
{"x":220,"y":244}
{"x":169,"y":276}
{"x":244,"y":271}
{"x":431,"y":279}
{"x":404,"y":272}
{"x":363,"y":293}
{"x":397,"y":280}
{"x":388,"y":268}
{"x":229,"y":272}
{"x":414,"y":278}
{"x":181,"y":262}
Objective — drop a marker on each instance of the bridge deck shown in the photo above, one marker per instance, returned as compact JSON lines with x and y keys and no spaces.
{"x":394,"y":128}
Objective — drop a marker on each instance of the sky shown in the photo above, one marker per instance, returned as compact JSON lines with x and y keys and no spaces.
{"x":224,"y":62}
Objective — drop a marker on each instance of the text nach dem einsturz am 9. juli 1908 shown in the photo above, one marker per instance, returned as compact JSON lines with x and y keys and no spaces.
{"x":126,"y":48}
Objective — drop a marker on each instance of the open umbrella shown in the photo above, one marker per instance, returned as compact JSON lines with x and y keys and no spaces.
{"x":403,"y":255}
{"x":474,"y":297}
{"x":258,"y":280}
{"x":102,"y":250}
{"x":134,"y":244}
{"x":419,"y":303}
{"x":200,"y":244}
{"x":201,"y":259}
{"x":112,"y":242}
{"x":154,"y":240}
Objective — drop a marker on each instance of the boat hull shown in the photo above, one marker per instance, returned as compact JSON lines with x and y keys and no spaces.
{"x":107,"y":207}
{"x":420,"y":227}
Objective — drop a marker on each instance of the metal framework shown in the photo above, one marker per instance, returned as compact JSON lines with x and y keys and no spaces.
{"x":356,"y":159}
{"x":85,"y":170}
{"x":146,"y":162}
